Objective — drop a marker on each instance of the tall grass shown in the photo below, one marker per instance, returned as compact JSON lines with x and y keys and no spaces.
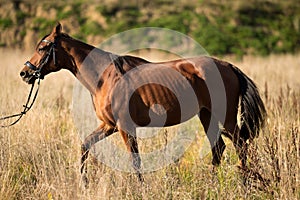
{"x":39,"y":157}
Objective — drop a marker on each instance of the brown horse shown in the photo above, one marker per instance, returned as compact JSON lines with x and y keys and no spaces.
{"x":126,"y":91}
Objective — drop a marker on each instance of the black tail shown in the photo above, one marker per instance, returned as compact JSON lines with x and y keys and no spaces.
{"x":253,"y":112}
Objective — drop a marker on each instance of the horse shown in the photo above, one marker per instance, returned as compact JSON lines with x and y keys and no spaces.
{"x":124,"y":100}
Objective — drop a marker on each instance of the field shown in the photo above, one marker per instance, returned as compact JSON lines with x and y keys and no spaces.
{"x":39,"y":156}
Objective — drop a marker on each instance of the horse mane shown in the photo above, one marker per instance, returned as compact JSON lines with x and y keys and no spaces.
{"x":65,"y":35}
{"x":131,"y":61}
{"x":118,"y":61}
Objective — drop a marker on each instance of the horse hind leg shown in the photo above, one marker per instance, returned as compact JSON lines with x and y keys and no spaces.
{"x":239,"y":138}
{"x":213,"y":133}
{"x":241,"y":145}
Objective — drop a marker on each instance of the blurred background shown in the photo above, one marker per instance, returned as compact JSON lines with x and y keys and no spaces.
{"x":256,"y":27}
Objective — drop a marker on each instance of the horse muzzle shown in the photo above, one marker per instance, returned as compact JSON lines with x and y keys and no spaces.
{"x":29,"y":77}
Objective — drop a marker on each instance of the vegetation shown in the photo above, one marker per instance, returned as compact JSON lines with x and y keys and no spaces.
{"x":39,"y":157}
{"x":257,"y":27}
{"x":5,"y":23}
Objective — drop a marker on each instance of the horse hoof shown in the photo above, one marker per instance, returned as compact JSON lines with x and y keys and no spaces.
{"x":141,"y":178}
{"x":84,"y":183}
{"x":214,"y":169}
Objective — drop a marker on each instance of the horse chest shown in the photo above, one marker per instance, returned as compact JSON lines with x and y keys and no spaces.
{"x":103,"y":109}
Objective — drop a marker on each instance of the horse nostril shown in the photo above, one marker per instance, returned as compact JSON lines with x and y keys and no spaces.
{"x":22,"y":74}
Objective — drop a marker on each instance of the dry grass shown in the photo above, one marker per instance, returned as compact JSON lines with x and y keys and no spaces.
{"x":39,"y":157}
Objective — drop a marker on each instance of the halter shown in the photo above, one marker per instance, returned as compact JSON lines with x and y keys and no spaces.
{"x":37,"y":74}
{"x":44,"y":60}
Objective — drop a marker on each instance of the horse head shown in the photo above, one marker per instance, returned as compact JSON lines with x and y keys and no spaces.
{"x":45,"y":59}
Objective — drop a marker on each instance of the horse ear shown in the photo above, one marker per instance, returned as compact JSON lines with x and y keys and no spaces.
{"x":57,"y":30}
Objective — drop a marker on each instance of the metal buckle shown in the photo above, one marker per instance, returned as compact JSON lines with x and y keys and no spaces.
{"x":37,"y":74}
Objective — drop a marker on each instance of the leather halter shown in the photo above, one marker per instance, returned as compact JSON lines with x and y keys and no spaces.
{"x":37,"y":69}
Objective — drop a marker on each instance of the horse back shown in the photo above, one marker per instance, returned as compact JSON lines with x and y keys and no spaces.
{"x":172,"y":91}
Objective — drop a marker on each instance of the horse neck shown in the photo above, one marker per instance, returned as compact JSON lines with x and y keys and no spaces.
{"x":88,"y":62}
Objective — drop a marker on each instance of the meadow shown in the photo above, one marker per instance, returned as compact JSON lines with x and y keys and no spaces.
{"x":39,"y":156}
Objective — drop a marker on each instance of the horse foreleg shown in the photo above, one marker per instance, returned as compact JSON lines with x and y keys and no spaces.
{"x":132,"y":147}
{"x":99,"y":134}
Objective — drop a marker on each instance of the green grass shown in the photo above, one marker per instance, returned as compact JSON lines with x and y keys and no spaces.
{"x":6,"y":23}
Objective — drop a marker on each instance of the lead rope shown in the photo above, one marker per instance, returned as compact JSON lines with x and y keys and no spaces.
{"x":37,"y":74}
{"x":26,"y":107}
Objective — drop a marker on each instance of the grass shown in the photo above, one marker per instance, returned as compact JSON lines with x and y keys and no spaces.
{"x":39,"y":157}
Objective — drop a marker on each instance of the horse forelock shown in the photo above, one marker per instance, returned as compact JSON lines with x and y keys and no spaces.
{"x":38,"y":44}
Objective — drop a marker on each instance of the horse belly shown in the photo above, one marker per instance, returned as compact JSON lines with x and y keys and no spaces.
{"x":157,"y":106}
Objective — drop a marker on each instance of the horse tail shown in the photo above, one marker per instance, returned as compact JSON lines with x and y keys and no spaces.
{"x":253,"y":112}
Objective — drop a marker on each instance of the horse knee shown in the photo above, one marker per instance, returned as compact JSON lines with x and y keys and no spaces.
{"x":90,"y":141}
